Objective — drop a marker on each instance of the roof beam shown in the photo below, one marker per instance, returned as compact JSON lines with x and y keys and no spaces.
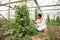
{"x":46,"y":6}
{"x":42,"y":10}
{"x":50,"y":9}
{"x":37,"y":5}
{"x":30,"y":7}
{"x":10,"y":3}
{"x":3,"y":17}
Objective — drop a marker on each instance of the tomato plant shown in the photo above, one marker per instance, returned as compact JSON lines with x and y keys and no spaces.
{"x":23,"y":25}
{"x":22,"y":15}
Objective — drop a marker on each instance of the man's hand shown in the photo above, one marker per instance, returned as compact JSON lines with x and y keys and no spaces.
{"x":34,"y":21}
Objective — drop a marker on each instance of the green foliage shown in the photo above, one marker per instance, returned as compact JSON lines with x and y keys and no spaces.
{"x":57,"y":19}
{"x":22,"y":15}
{"x":48,"y":18}
{"x":23,"y":25}
{"x":3,"y":21}
{"x":53,"y":21}
{"x":36,"y":14}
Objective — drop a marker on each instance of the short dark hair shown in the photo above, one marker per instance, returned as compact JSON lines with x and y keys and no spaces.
{"x":40,"y":15}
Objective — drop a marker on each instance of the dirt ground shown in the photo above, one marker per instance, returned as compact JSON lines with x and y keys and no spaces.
{"x":57,"y":34}
{"x":36,"y":38}
{"x":33,"y":38}
{"x":39,"y":38}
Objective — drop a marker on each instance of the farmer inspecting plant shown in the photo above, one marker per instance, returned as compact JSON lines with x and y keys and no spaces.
{"x":40,"y":23}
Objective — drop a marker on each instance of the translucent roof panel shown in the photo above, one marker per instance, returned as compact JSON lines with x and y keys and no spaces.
{"x":4,"y":1}
{"x":31,"y":4}
{"x":4,"y":9}
{"x":7,"y":1}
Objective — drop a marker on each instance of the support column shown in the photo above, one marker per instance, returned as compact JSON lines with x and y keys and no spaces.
{"x":9,"y":11}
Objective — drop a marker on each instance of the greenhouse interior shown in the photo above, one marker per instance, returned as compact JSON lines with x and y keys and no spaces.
{"x":29,"y":19}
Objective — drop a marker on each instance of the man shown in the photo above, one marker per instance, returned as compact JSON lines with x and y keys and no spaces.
{"x":40,"y":23}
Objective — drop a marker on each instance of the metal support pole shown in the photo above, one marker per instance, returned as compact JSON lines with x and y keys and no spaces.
{"x":0,"y":1}
{"x":9,"y":11}
{"x":38,"y":6}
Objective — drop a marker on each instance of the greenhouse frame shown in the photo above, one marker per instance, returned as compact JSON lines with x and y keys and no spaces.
{"x":18,"y":19}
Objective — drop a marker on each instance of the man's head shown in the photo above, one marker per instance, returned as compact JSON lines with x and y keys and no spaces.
{"x":39,"y":16}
